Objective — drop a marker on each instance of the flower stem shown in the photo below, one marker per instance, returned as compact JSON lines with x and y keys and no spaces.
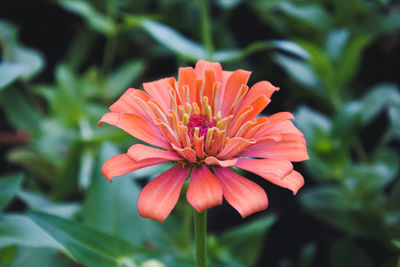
{"x":200,"y":233}
{"x":206,"y":27}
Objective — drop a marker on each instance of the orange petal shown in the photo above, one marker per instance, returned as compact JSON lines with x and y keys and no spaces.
{"x":202,"y":66}
{"x":234,"y":146}
{"x":137,"y":127}
{"x":270,"y":169}
{"x":159,"y":90}
{"x":160,"y":196}
{"x":204,"y":190}
{"x":293,"y":181}
{"x":121,"y":164}
{"x":290,"y":147}
{"x":222,"y":163}
{"x":187,"y":76}
{"x":260,"y":88}
{"x":140,"y":152}
{"x":126,"y":103}
{"x":242,"y":194}
{"x":186,"y":153}
{"x":230,"y":91}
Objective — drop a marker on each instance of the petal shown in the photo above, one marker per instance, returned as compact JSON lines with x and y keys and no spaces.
{"x":261,"y":88}
{"x":187,"y":76}
{"x":278,"y":123}
{"x":160,"y":196}
{"x":272,"y":170}
{"x":293,"y":181}
{"x":290,"y":147}
{"x":242,"y":194}
{"x":234,"y":146}
{"x":187,"y":153}
{"x":121,"y":164}
{"x":202,"y":66}
{"x":222,"y":163}
{"x":230,"y":91}
{"x":137,"y":127}
{"x":204,"y":190}
{"x":140,"y":152}
{"x":159,"y":90}
{"x":126,"y":103}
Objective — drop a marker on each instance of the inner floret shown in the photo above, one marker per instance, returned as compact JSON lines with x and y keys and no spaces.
{"x":202,"y":122}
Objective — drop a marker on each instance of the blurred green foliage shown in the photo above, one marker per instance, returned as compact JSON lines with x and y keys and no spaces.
{"x":74,"y":215}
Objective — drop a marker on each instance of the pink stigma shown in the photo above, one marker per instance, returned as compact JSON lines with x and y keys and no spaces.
{"x":200,"y":121}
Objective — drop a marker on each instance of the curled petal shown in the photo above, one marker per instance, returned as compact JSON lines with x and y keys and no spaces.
{"x":204,"y":190}
{"x":293,"y":181}
{"x":137,"y":127}
{"x":186,"y":153}
{"x":140,"y":152}
{"x":222,"y":163}
{"x":160,"y":196}
{"x":261,"y":88}
{"x":234,"y":146}
{"x":121,"y":164}
{"x":290,"y":147}
{"x":242,"y":194}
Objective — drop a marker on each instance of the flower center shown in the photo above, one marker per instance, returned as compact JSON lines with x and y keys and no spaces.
{"x":202,"y":122}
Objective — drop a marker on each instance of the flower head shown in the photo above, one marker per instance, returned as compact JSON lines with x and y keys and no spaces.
{"x":206,"y":122}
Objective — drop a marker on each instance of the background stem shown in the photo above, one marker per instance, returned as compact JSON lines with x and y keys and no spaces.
{"x":206,"y":27}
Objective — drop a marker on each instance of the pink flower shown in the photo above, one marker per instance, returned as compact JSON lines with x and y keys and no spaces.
{"x":206,"y":122}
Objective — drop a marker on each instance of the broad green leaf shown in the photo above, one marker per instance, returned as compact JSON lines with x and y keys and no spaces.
{"x":367,"y":178}
{"x":43,"y":257}
{"x":346,"y":253}
{"x":347,"y":121}
{"x":237,"y":54}
{"x":174,"y":41}
{"x":330,"y":205}
{"x":351,"y":59}
{"x":300,"y":72}
{"x":29,"y":57}
{"x":19,"y":230}
{"x":252,"y":234}
{"x":123,"y":78}
{"x":312,"y":123}
{"x":96,"y":20}
{"x":311,"y":14}
{"x":378,"y":98}
{"x":85,"y":245}
{"x":38,"y":202}
{"x":9,"y":72}
{"x":9,"y":186}
{"x":111,"y":208}
{"x":394,"y":117}
{"x":335,"y":43}
{"x":19,"y":110}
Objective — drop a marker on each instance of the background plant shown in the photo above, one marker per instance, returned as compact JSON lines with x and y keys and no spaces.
{"x":57,"y":205}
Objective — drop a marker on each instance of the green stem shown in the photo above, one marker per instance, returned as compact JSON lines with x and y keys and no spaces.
{"x":200,"y":233}
{"x":206,"y":27}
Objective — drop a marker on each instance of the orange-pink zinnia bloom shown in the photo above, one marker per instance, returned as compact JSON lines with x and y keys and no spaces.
{"x":206,"y":122}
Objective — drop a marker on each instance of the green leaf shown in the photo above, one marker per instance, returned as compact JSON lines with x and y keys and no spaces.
{"x":19,"y":110}
{"x":38,"y":202}
{"x":85,"y":245}
{"x":335,"y":43}
{"x":252,"y":234}
{"x":346,"y":253}
{"x":300,"y":72}
{"x":30,"y":57}
{"x":123,"y":78}
{"x":86,"y":168}
{"x":111,"y":208}
{"x":96,"y":20}
{"x":174,"y":41}
{"x":9,"y":72}
{"x":378,"y":98}
{"x":348,"y":121}
{"x":9,"y":185}
{"x":43,"y":257}
{"x":311,"y":14}
{"x":351,"y":59}
{"x":19,"y":230}
{"x":367,"y":178}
